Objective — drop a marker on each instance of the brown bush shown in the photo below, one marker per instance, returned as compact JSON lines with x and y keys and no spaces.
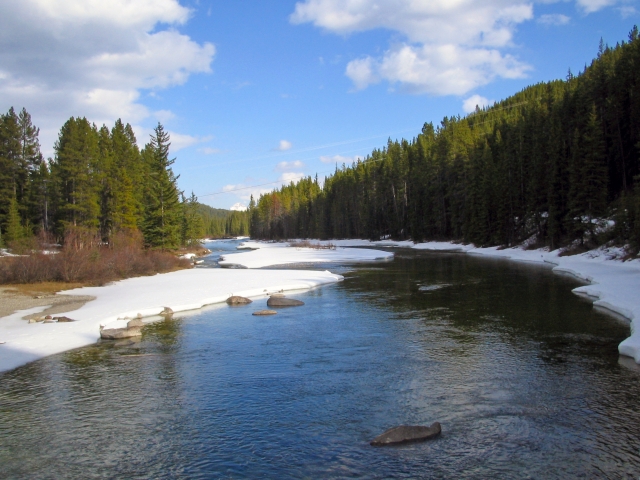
{"x":87,"y":261}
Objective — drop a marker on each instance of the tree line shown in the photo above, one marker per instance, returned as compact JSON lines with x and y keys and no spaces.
{"x":553,"y":164}
{"x":98,"y":185}
{"x":219,"y":223}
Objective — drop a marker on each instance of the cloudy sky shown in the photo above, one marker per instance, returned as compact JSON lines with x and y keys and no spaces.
{"x":258,"y":93}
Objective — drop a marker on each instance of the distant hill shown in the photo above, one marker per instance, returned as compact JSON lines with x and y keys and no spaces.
{"x":219,"y":222}
{"x":208,"y":212}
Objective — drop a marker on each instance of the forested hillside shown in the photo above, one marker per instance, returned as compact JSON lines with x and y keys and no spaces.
{"x":219,"y":223}
{"x":98,"y":185}
{"x":555,"y":163}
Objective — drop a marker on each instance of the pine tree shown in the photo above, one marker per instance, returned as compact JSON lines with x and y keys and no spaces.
{"x":74,"y":174}
{"x":192,"y":226}
{"x":15,"y":230}
{"x":588,"y":192}
{"x":162,"y":211}
{"x":12,"y":174}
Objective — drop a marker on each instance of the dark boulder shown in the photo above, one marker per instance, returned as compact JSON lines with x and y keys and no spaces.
{"x":283,"y":302}
{"x":264,"y":312}
{"x":406,"y":434}
{"x":236,"y":300}
{"x":63,"y":319}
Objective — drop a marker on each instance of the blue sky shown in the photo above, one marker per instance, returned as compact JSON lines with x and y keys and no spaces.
{"x":256,"y":93}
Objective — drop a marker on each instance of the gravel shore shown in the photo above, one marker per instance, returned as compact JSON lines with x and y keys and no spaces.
{"x":12,"y":300}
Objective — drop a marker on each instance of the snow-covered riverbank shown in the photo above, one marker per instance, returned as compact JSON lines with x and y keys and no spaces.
{"x":262,"y":254}
{"x":180,"y":291}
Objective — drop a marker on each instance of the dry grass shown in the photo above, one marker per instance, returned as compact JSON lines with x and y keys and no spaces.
{"x":43,"y":288}
{"x":315,"y":246}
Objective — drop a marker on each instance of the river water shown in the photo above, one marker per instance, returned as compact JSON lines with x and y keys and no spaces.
{"x":523,"y":375}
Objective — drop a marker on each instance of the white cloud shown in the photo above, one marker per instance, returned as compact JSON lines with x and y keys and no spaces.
{"x":229,"y":188}
{"x":209,"y":150}
{"x":362,"y":72}
{"x":627,"y":11}
{"x":339,"y":159}
{"x":438,"y":69}
{"x":590,"y":6}
{"x":289,"y":165}
{"x":93,"y":58}
{"x":289,"y":177}
{"x":238,"y":207}
{"x":283,"y":146}
{"x":469,"y":105}
{"x":465,"y":22}
{"x":451,"y":47}
{"x":164,"y":115}
{"x":181,"y":140}
{"x":554,"y":19}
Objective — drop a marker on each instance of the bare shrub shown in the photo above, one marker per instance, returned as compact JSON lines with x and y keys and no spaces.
{"x":84,"y":259}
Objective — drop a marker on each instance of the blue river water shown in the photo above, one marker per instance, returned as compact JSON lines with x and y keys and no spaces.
{"x":523,"y":375}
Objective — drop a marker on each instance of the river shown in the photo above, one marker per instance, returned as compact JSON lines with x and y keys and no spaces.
{"x":523,"y":375}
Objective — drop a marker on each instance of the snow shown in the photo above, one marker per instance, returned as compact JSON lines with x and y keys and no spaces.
{"x":264,"y":254}
{"x":181,"y":291}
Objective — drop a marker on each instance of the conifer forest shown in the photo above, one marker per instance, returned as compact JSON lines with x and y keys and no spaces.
{"x":98,"y":184}
{"x":555,"y":164}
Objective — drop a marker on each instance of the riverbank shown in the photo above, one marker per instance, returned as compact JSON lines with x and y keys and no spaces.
{"x":22,"y":342}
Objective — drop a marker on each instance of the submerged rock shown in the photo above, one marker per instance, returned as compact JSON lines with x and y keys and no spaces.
{"x":127,"y":342}
{"x":237,"y":300}
{"x":283,"y":302}
{"x":406,"y":434}
{"x":118,"y":333}
{"x":133,"y":329}
{"x":265,"y":312}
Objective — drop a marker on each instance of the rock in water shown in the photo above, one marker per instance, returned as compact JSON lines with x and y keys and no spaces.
{"x":283,"y":302}
{"x":118,"y":333}
{"x":236,"y":300}
{"x":265,"y":312}
{"x":136,"y":322}
{"x":406,"y":434}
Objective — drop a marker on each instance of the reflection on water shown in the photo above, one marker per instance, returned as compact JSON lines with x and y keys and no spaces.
{"x":524,"y":377}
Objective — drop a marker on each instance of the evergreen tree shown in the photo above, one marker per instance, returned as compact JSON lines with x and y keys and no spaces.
{"x":74,"y":173}
{"x":14,"y":231}
{"x":162,"y":210}
{"x":192,"y":226}
{"x":12,"y":172}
